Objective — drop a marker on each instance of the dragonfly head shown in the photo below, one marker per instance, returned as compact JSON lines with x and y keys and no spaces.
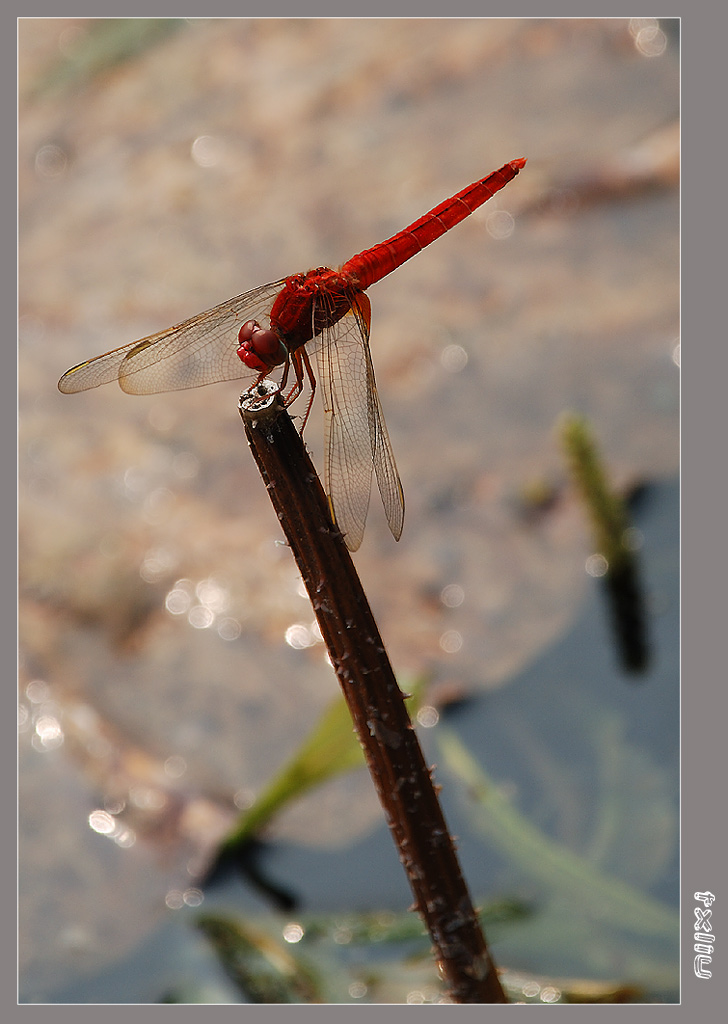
{"x":260,"y":349}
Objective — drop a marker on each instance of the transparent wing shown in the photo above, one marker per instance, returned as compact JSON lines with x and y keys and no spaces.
{"x":199,"y":351}
{"x":355,"y":434}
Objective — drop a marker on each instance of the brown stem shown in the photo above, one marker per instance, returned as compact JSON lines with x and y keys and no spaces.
{"x":376,"y":703}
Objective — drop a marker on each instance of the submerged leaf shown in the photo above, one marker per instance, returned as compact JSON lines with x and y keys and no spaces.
{"x":564,"y":872}
{"x":331,"y":749}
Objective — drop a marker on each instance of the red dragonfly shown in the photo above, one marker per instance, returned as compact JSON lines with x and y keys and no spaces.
{"x":323,"y":311}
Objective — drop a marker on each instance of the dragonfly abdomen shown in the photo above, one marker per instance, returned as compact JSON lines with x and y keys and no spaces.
{"x":372,"y":265}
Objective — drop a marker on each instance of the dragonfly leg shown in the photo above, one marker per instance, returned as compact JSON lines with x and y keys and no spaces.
{"x":297,"y":386}
{"x":302,"y":369}
{"x":284,"y":378}
{"x":312,"y":381}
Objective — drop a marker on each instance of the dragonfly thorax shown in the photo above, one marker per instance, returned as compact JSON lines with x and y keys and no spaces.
{"x":309,"y":304}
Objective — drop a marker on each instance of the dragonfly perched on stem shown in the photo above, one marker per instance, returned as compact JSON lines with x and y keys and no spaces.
{"x":280,"y":325}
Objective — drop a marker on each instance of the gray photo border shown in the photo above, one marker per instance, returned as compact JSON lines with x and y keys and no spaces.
{"x":703,"y":846}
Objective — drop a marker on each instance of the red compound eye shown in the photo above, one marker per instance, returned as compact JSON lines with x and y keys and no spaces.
{"x":260,"y":349}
